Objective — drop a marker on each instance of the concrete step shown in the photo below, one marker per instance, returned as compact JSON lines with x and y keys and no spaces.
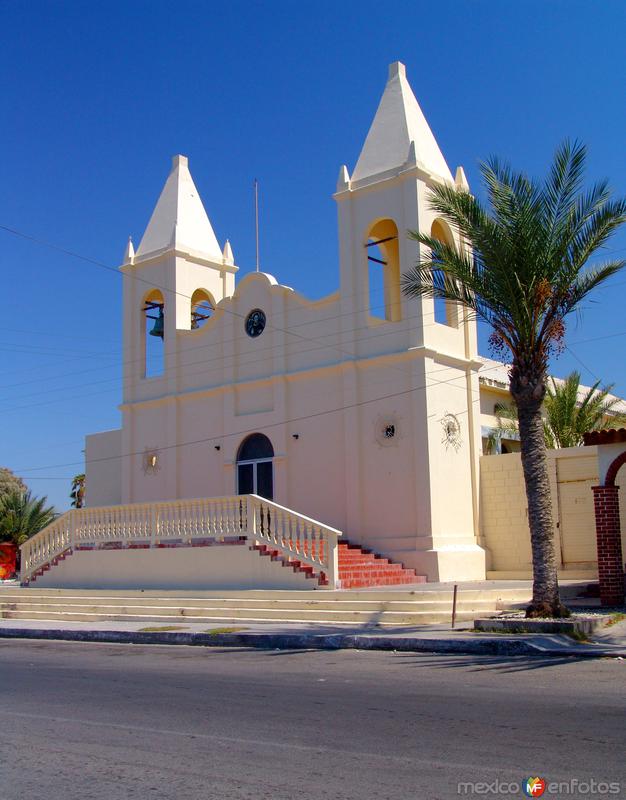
{"x":258,"y":615}
{"x":388,"y":606}
{"x":201,"y":608}
{"x":180,"y":597}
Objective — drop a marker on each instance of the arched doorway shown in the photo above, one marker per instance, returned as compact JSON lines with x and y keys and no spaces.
{"x":255,"y":467}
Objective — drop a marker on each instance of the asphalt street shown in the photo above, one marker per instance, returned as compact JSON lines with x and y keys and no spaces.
{"x":95,"y":721}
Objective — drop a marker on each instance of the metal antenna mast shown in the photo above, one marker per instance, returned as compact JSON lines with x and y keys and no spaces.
{"x":256,"y":220}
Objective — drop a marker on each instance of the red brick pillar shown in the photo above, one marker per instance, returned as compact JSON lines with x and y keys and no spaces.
{"x":609,"y":541}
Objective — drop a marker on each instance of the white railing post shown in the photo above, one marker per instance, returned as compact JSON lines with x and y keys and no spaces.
{"x":72,"y":542}
{"x":251,"y":517}
{"x":331,"y":556}
{"x":154,"y":524}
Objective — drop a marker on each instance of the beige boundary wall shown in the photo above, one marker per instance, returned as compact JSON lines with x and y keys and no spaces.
{"x":504,"y":513}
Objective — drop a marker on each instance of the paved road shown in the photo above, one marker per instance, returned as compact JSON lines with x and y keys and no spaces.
{"x":91,"y":721}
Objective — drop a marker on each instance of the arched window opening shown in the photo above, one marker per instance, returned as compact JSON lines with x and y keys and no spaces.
{"x":446,"y":312}
{"x":153,"y":332}
{"x":202,"y":306}
{"x":383,"y":258}
{"x":255,"y":466}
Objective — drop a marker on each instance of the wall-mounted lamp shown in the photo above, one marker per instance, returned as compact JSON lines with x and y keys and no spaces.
{"x":295,"y":435}
{"x":151,"y":463}
{"x":218,"y":446}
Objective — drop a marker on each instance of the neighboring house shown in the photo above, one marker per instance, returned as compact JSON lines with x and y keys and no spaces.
{"x":494,"y":390}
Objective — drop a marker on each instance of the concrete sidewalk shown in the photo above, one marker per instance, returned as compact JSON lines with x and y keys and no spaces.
{"x":610,"y":642}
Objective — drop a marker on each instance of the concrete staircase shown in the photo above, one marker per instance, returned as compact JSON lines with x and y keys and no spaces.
{"x":357,"y":608}
{"x":358,"y":567}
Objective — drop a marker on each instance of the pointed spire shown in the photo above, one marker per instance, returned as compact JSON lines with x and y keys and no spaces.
{"x":460,"y":180}
{"x":399,"y":121}
{"x":343,"y":180}
{"x":129,"y":253}
{"x":227,"y":254}
{"x":179,"y":220}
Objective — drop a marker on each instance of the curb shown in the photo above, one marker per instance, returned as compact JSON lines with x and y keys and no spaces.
{"x":308,"y":641}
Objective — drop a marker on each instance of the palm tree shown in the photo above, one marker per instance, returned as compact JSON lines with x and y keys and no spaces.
{"x":526,"y":272}
{"x":22,"y":516}
{"x":77,"y":494}
{"x":568,"y":418}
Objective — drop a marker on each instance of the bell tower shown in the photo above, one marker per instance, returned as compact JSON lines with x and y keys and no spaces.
{"x":387,"y":195}
{"x":432,"y":349}
{"x":176,"y":277}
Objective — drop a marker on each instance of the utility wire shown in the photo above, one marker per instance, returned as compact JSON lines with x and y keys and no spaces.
{"x":302,"y":418}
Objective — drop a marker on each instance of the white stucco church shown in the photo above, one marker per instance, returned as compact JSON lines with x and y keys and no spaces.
{"x":340,"y":437}
{"x":360,"y":409}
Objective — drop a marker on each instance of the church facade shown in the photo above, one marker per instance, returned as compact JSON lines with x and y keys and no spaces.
{"x":361,"y":410}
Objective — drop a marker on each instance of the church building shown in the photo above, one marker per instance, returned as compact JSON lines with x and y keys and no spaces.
{"x":360,"y":410}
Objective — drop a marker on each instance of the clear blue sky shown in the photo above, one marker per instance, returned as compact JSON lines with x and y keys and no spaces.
{"x":96,"y":98}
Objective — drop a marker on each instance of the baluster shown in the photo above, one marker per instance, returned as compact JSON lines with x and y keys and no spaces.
{"x":309,"y":539}
{"x":189,"y":521}
{"x":161,"y":521}
{"x":276,"y":527}
{"x":315,"y":536}
{"x":208,"y":509}
{"x":193,"y":520}
{"x":226,"y":518}
{"x":169,"y":522}
{"x":234,"y":516}
{"x":165,"y":522}
{"x":287,"y":531}
{"x":230,"y":517}
{"x":180,"y":511}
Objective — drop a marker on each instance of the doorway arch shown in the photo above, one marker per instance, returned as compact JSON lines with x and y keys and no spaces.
{"x":255,"y":466}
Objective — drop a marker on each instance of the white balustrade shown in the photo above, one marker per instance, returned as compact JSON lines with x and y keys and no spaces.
{"x":295,"y":536}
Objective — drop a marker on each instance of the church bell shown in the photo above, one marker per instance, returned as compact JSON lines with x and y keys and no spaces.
{"x":157,"y":328}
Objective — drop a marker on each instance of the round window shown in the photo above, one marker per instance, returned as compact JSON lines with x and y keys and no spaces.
{"x":255,"y":323}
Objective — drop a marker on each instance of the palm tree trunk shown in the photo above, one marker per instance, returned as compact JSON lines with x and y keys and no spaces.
{"x":546,"y":601}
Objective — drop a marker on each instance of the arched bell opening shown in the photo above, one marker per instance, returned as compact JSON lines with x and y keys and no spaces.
{"x":446,"y":312}
{"x":153,"y":333}
{"x":383,"y":271}
{"x":255,"y":466}
{"x":202,"y":307}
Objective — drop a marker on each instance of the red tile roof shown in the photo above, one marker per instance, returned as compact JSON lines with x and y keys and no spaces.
{"x":608,"y":436}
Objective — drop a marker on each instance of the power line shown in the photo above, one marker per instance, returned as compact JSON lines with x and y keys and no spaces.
{"x":116,"y":271}
{"x":221,"y":358}
{"x":265,"y":426}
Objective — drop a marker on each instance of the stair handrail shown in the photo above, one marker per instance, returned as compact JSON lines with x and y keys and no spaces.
{"x":296,"y":536}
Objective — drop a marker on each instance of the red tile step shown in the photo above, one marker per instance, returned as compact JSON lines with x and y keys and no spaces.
{"x":361,"y":568}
